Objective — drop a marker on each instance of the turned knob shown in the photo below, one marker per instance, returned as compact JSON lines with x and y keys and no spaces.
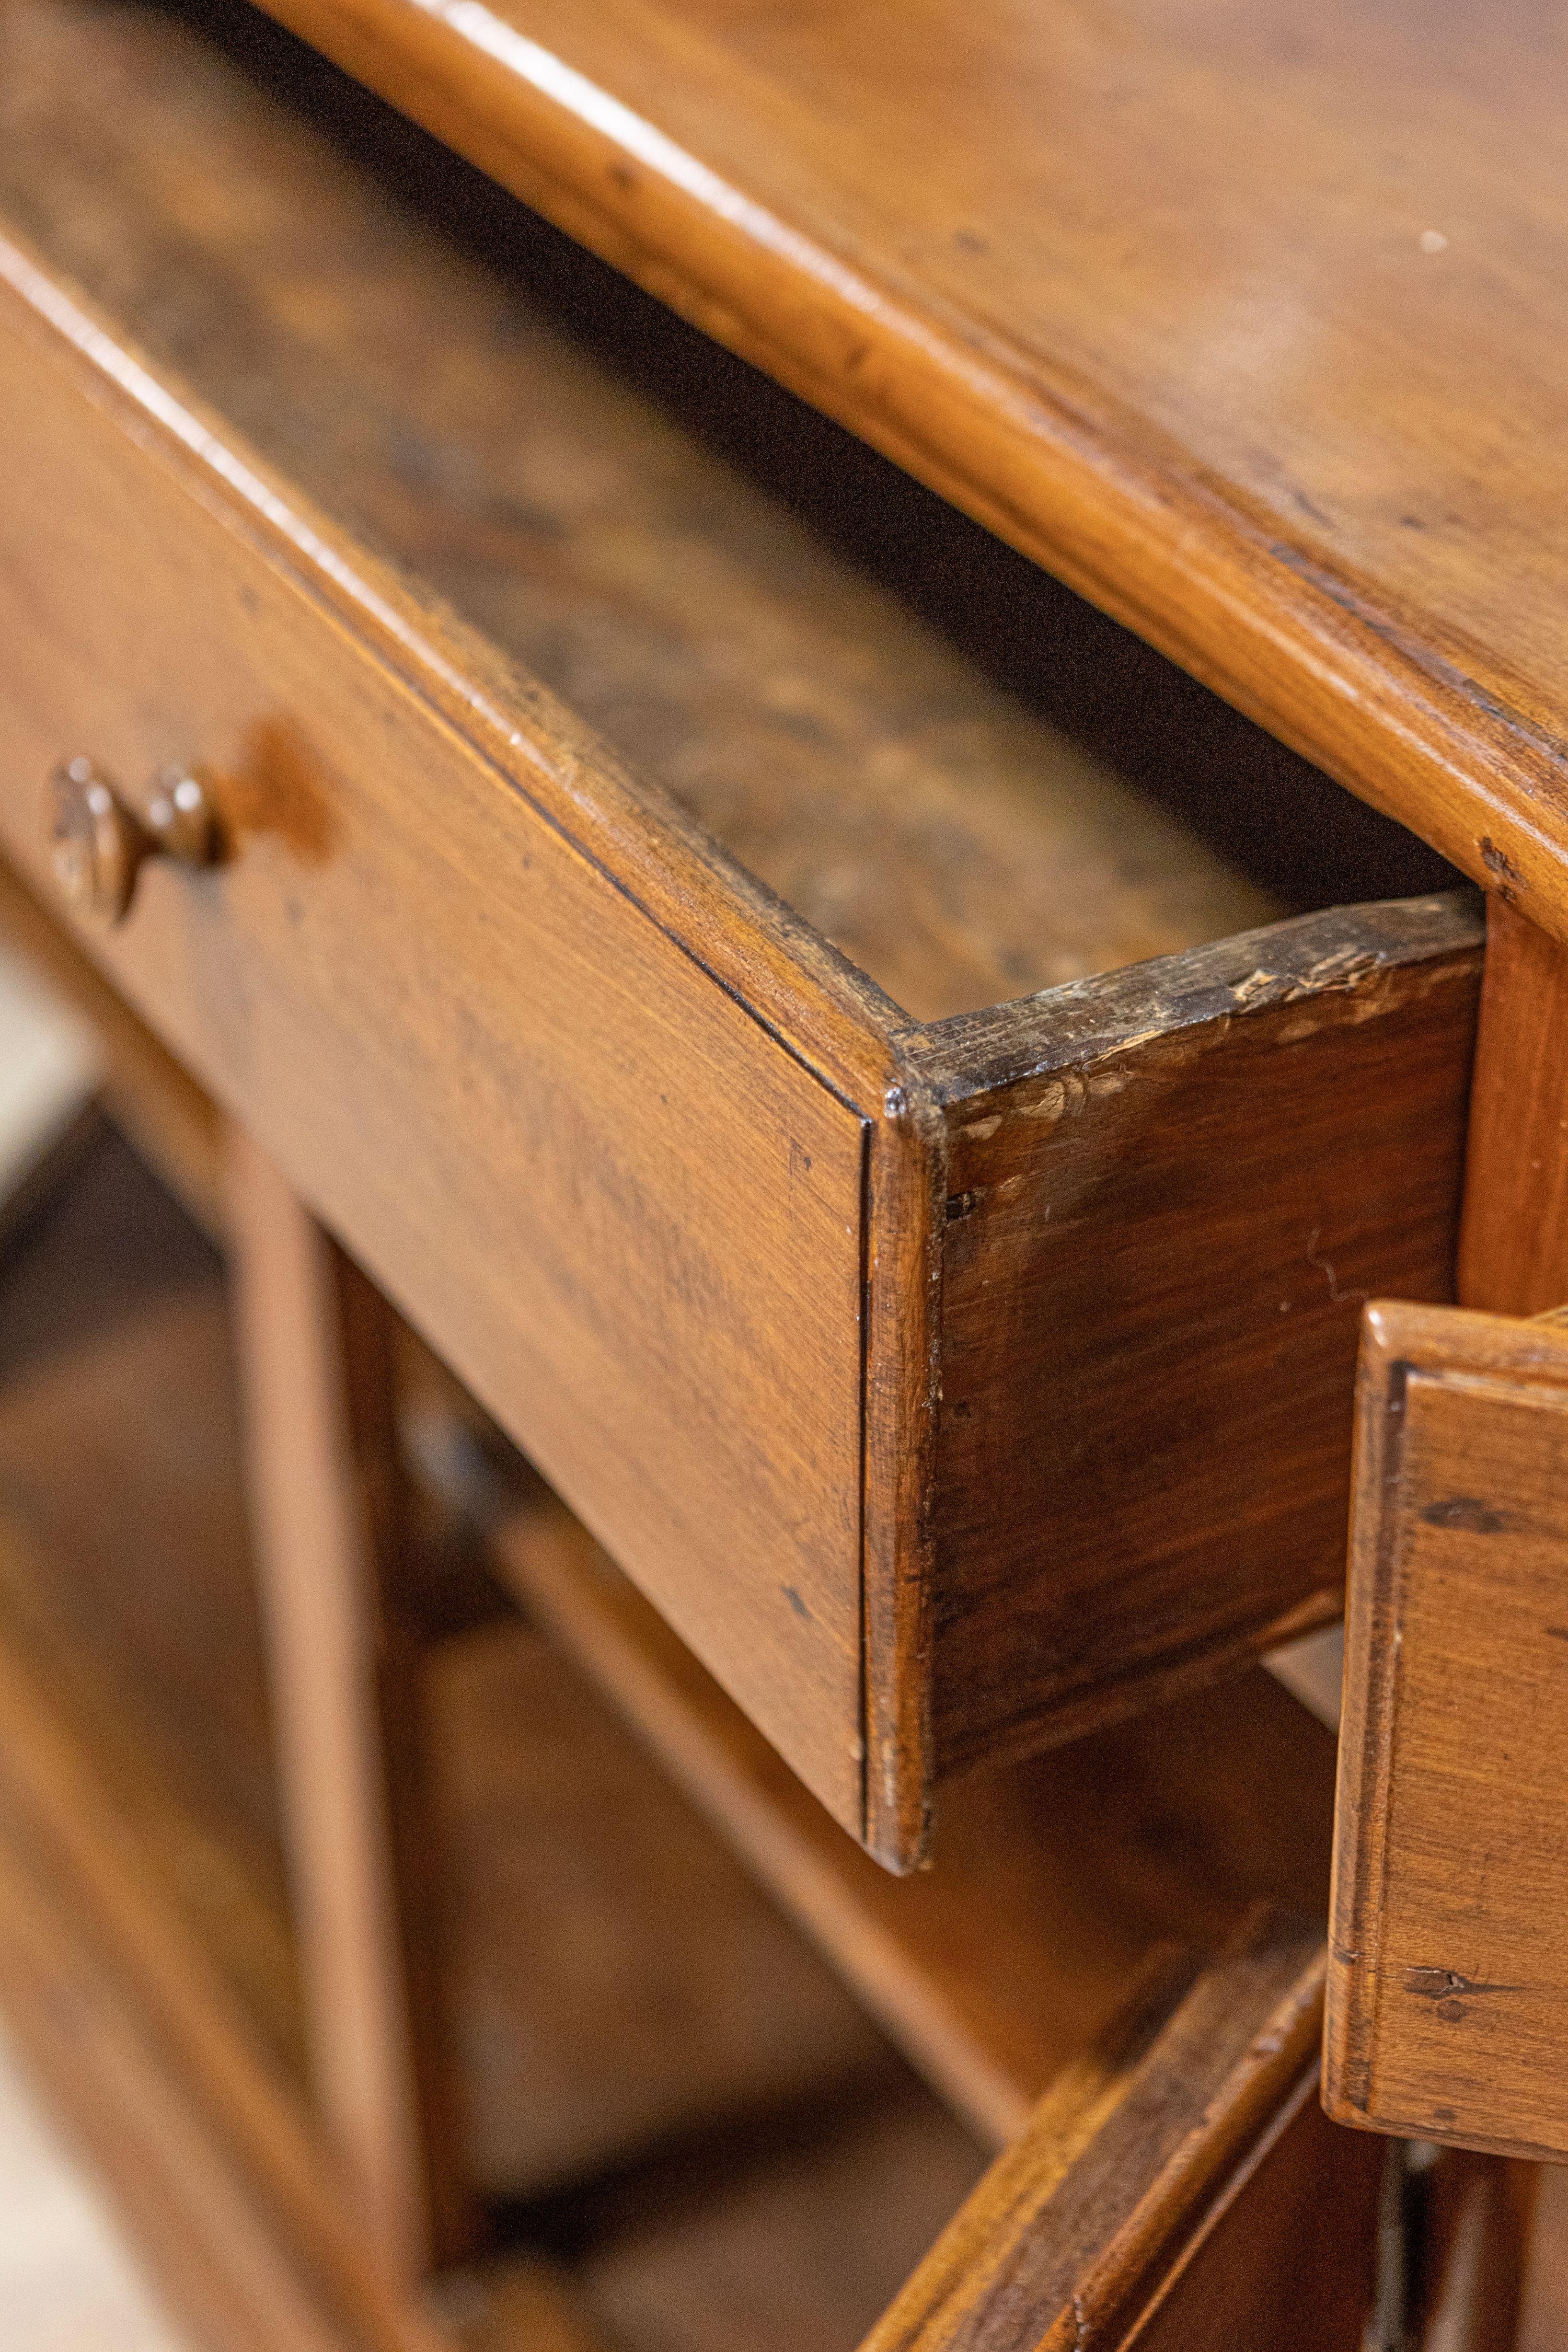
{"x":100,"y":842}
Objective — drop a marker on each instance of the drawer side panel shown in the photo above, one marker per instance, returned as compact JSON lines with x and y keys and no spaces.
{"x":1157,"y":1248}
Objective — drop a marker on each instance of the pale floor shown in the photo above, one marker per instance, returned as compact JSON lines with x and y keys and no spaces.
{"x":67,"y":2280}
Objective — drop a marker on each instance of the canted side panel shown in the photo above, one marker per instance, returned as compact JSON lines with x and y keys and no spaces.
{"x":627,"y":1215}
{"x":1154,"y":1269}
{"x":1451,"y":2006}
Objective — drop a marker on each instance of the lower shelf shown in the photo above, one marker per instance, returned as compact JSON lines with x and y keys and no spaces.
{"x":790,"y":2233}
{"x":1054,"y":1883}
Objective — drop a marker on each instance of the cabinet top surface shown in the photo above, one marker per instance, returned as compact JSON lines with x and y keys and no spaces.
{"x":1248,"y":319}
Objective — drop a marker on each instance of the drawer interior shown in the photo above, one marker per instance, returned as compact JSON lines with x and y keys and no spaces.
{"x":971,"y":783}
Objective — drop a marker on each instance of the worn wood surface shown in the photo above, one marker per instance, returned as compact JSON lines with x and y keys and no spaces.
{"x":1051,"y":1885}
{"x":1178,"y":2177}
{"x":957,"y":846}
{"x":1449,"y":1694}
{"x":678,"y":1198}
{"x":1205,"y":311}
{"x":1448,"y":1989}
{"x":1159,"y":1232}
{"x":722,"y":1203}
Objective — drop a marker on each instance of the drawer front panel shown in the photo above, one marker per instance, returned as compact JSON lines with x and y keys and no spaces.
{"x":625,"y":1213}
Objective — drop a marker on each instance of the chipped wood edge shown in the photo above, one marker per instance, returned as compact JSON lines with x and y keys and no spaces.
{"x":1337,"y":964}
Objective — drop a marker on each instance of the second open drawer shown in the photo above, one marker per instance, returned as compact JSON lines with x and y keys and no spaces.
{"x":955,"y":1367}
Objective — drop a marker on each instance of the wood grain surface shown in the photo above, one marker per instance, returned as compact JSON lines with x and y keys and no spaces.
{"x":1178,"y":2177}
{"x":1051,"y":1886}
{"x":1165,"y":1208}
{"x":631,"y":1103}
{"x":1448,"y":1989}
{"x":652,"y":1163}
{"x":331,"y":1531}
{"x":1207,"y":311}
{"x":530,"y":451}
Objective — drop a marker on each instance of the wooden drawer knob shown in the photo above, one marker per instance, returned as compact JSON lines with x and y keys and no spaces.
{"x":99,"y":843}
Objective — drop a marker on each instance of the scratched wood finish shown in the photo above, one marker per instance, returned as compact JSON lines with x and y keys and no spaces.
{"x":1178,"y":2179}
{"x":1143,"y":1464}
{"x":957,"y":848}
{"x":1051,"y":1885}
{"x":583,"y":1144}
{"x":1448,"y":1991}
{"x":658,"y":1170}
{"x":1206,"y":311}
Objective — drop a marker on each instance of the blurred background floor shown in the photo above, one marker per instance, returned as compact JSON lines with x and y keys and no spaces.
{"x":68,"y":2281}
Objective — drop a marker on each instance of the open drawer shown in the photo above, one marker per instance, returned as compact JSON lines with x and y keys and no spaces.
{"x":945,"y":1313}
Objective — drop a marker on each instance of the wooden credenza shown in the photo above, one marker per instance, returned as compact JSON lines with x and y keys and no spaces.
{"x":772,"y":1075}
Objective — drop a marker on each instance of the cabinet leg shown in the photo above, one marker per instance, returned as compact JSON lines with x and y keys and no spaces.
{"x":326,"y":1495}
